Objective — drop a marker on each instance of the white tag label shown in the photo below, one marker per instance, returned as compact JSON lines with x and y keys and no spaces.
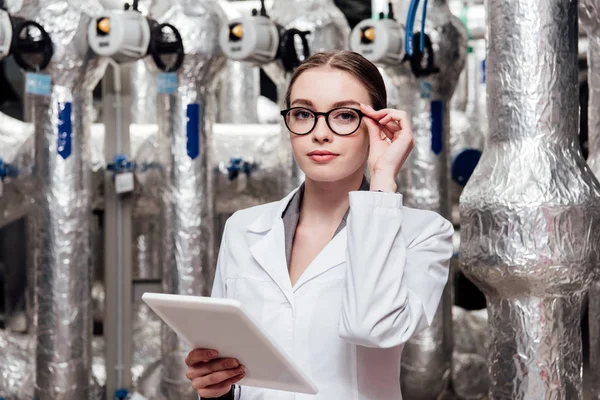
{"x":124,"y":182}
{"x":137,"y":396}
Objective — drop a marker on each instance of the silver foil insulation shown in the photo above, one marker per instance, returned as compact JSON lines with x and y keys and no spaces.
{"x":531,"y":210}
{"x":185,"y":119}
{"x":60,"y":220}
{"x":16,"y":156}
{"x":424,"y":183}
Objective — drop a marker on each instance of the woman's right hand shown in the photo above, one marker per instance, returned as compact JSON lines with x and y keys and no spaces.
{"x":212,"y":376}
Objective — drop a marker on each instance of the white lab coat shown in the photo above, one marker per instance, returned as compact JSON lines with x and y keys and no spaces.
{"x":378,"y":282}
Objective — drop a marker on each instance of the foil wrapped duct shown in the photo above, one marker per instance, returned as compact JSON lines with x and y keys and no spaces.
{"x":470,"y":377}
{"x":16,"y":367}
{"x":424,"y":181}
{"x":466,"y":136}
{"x":185,"y":121}
{"x":16,"y":157}
{"x":146,"y":214}
{"x":60,"y":220}
{"x":238,"y":93}
{"x":142,"y":86}
{"x":327,"y":26}
{"x":589,"y":15}
{"x":531,"y":210}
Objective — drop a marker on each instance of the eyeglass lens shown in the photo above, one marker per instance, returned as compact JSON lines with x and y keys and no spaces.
{"x":342,"y":121}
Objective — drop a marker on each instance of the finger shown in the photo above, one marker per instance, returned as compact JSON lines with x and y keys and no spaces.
{"x":374,"y":130}
{"x":216,"y":378}
{"x":370,"y":112}
{"x":222,"y":388}
{"x":400,"y":149}
{"x":389,"y":133}
{"x":200,"y":355}
{"x":206,"y":368}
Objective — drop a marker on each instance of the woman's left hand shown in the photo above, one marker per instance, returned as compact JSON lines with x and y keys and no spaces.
{"x":391,"y":141}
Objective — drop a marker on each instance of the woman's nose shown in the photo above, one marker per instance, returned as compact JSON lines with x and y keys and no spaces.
{"x":321,"y":132}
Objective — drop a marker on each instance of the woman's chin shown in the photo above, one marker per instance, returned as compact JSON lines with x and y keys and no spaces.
{"x":322,"y":173}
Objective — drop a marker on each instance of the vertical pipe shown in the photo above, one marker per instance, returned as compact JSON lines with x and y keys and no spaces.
{"x":530,"y":212}
{"x":185,"y":119}
{"x":239,"y":93}
{"x":424,"y":182}
{"x":60,"y":245}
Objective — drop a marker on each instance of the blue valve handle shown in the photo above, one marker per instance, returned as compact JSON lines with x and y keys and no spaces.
{"x":237,"y":165}
{"x":121,"y":164}
{"x":7,"y":170}
{"x":121,"y":394}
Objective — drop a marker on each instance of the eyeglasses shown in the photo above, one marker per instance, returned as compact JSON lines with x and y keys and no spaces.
{"x":342,"y":121}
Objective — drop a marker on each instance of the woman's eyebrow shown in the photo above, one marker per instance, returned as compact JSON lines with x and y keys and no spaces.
{"x":345,"y":103}
{"x":303,"y":101}
{"x":342,"y":103}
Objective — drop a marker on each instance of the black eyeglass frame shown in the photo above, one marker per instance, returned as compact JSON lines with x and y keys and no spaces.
{"x":285,"y":112}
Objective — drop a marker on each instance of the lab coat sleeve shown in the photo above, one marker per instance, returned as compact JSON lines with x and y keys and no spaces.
{"x":392,"y":289}
{"x":219,"y":288}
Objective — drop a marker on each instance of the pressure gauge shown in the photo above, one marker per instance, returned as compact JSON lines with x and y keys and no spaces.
{"x":121,"y":35}
{"x":6,"y":34}
{"x":379,"y":41}
{"x":252,"y":39}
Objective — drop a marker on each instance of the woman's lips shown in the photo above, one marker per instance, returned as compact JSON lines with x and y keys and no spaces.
{"x":321,"y":156}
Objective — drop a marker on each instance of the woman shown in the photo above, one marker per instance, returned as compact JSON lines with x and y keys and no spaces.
{"x":338,"y":272}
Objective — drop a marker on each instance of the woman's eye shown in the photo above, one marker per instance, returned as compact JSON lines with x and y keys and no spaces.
{"x":301,"y":114}
{"x":345,"y":116}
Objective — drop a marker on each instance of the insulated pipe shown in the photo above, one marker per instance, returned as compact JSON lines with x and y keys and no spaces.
{"x":238,"y":94}
{"x":185,"y":118}
{"x":530,"y":212}
{"x":60,"y":244}
{"x":424,"y":182}
{"x":16,"y":161}
{"x":589,"y":14}
{"x":466,"y":135}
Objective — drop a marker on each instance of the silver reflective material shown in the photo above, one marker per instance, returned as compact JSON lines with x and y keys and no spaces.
{"x":16,"y":152}
{"x":185,"y":119}
{"x":16,"y":368}
{"x":327,"y":25}
{"x":530,"y":212}
{"x":589,"y":14}
{"x":238,"y":94}
{"x":466,"y":136}
{"x":142,"y":86}
{"x":470,"y":377}
{"x":150,"y":181}
{"x":424,"y":182}
{"x":60,"y":220}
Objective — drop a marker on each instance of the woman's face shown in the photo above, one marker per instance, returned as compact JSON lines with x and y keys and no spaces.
{"x":323,"y":155}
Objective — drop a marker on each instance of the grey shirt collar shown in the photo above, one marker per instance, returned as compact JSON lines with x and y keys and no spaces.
{"x":291,"y":216}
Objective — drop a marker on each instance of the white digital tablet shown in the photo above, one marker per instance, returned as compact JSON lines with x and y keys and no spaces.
{"x":222,"y":325}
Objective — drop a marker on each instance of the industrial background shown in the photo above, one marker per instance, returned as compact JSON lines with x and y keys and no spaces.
{"x":129,"y":133}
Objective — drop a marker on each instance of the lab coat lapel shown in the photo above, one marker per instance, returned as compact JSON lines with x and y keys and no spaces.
{"x":269,"y":250}
{"x":330,"y":257}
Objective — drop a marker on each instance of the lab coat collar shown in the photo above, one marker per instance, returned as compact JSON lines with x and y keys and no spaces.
{"x":267,"y":220}
{"x":269,"y":251}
